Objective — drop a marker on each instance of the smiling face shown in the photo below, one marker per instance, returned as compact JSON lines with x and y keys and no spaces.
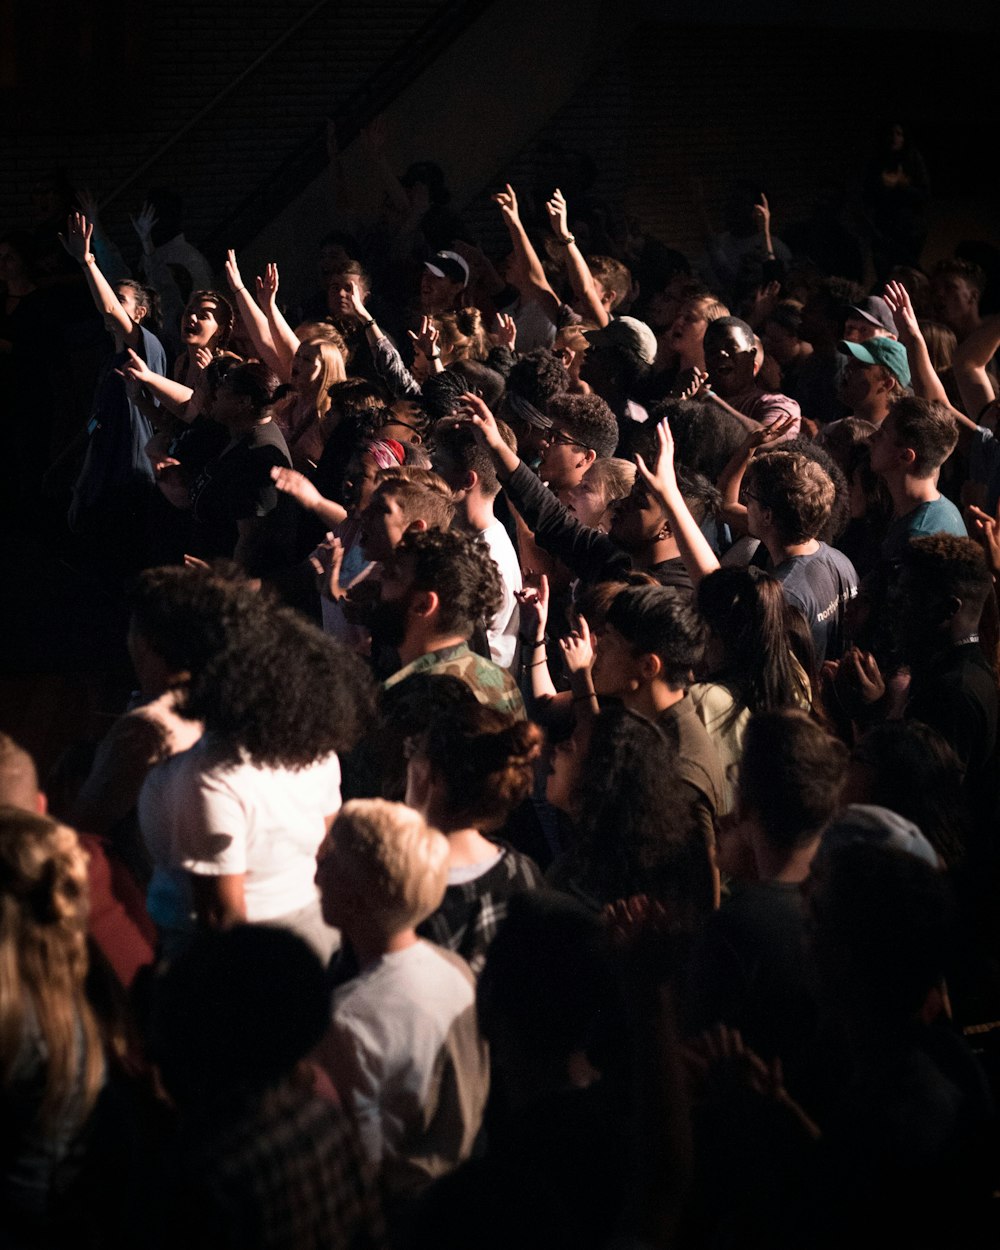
{"x":729,"y":359}
{"x":199,"y":324}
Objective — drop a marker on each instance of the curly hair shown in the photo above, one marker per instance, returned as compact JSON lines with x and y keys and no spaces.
{"x":43,"y":962}
{"x":538,"y":377}
{"x":184,"y":614}
{"x":660,"y":621}
{"x":947,"y":566}
{"x":485,"y":760}
{"x":588,"y":420}
{"x":459,"y":569}
{"x":706,"y":437}
{"x":797,"y":491}
{"x":634,"y":828}
{"x":280,"y":693}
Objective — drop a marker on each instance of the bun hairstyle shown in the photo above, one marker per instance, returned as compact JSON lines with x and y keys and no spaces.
{"x":485,"y":760}
{"x":463,"y":335}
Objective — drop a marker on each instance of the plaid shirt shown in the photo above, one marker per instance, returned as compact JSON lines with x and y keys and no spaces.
{"x":288,"y":1175}
{"x":468,"y":918}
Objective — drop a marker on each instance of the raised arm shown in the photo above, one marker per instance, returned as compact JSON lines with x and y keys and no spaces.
{"x":969,"y":366}
{"x":530,"y":280}
{"x":174,"y":396}
{"x":253,"y":318}
{"x":926,"y":382}
{"x":730,"y":480}
{"x":580,"y":277}
{"x":109,"y":258}
{"x":291,"y":482}
{"x":698,"y":556}
{"x":76,"y":241}
{"x":283,"y":337}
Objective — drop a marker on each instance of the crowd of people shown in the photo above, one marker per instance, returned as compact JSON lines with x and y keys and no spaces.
{"x":558,"y":805}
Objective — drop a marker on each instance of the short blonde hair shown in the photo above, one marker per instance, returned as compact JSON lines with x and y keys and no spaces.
{"x":401,"y":859}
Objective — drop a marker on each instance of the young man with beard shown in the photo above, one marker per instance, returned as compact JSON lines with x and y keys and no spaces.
{"x":640,"y":535}
{"x":436,"y":587}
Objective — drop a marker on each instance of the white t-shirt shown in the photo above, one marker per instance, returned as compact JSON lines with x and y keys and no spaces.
{"x":502,"y":631}
{"x":211,"y":820}
{"x":405,"y":1055}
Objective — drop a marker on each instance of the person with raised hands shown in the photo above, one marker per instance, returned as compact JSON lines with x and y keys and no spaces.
{"x":538,"y":309}
{"x":595,"y":300}
{"x":640,"y":536}
{"x":253,"y":317}
{"x":111,"y":494}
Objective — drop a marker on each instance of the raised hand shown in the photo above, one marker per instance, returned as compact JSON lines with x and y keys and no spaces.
{"x":762,"y":214}
{"x":578,"y":647}
{"x":375,"y":134}
{"x":985,"y":529}
{"x":89,"y":206}
{"x":506,"y":331}
{"x":425,"y":340}
{"x":557,"y":211}
{"x":76,"y":240}
{"x":233,"y":276}
{"x":291,"y":482}
{"x":143,"y":223}
{"x":136,"y":370}
{"x":357,"y":302}
{"x":697,"y":386}
{"x":534,"y":601}
{"x":267,"y":286}
{"x":327,"y":561}
{"x":900,"y":305}
{"x":768,"y":434}
{"x":507,"y":199}
{"x":662,"y":480}
{"x":475,"y":410}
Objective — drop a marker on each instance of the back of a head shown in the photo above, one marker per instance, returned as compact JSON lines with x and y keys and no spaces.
{"x":613,"y":276}
{"x":235,"y":1012}
{"x":549,"y":988}
{"x":928,"y":429}
{"x":480,"y":379}
{"x":791,"y":775}
{"x":460,"y":570}
{"x":280,"y":692}
{"x":457,"y":440}
{"x":485,"y":761}
{"x":946,"y":566}
{"x":185,"y":614}
{"x":659,"y":620}
{"x":398,"y":861}
{"x":799,"y":494}
{"x":538,"y":377}
{"x":880,"y":932}
{"x":706,"y":437}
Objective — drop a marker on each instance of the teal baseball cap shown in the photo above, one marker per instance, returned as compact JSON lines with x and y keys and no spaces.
{"x":881,"y":350}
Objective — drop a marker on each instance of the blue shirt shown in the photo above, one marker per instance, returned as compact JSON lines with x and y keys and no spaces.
{"x":936,"y":516}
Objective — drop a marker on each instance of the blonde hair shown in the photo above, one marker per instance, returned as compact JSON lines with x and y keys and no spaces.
{"x":332,"y":370}
{"x":402,"y":860}
{"x":941,"y":343}
{"x":613,"y":476}
{"x":463,"y":336}
{"x":43,"y":960}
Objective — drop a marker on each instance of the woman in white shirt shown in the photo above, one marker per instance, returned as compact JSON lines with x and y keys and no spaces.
{"x":234,"y":824}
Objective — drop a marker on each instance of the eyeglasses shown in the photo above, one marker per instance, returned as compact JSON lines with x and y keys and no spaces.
{"x":559,"y":438}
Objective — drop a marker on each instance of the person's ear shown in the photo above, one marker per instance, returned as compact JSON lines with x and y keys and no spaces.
{"x":425,"y":603}
{"x":470,"y":481}
{"x":952,"y":607}
{"x":650,"y":666}
{"x":589,"y":456}
{"x":418,"y":523}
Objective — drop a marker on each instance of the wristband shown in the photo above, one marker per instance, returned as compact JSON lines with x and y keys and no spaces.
{"x":532,"y":642}
{"x":536,"y":663}
{"x":434,"y":356}
{"x":570,"y":238}
{"x":369,"y":323}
